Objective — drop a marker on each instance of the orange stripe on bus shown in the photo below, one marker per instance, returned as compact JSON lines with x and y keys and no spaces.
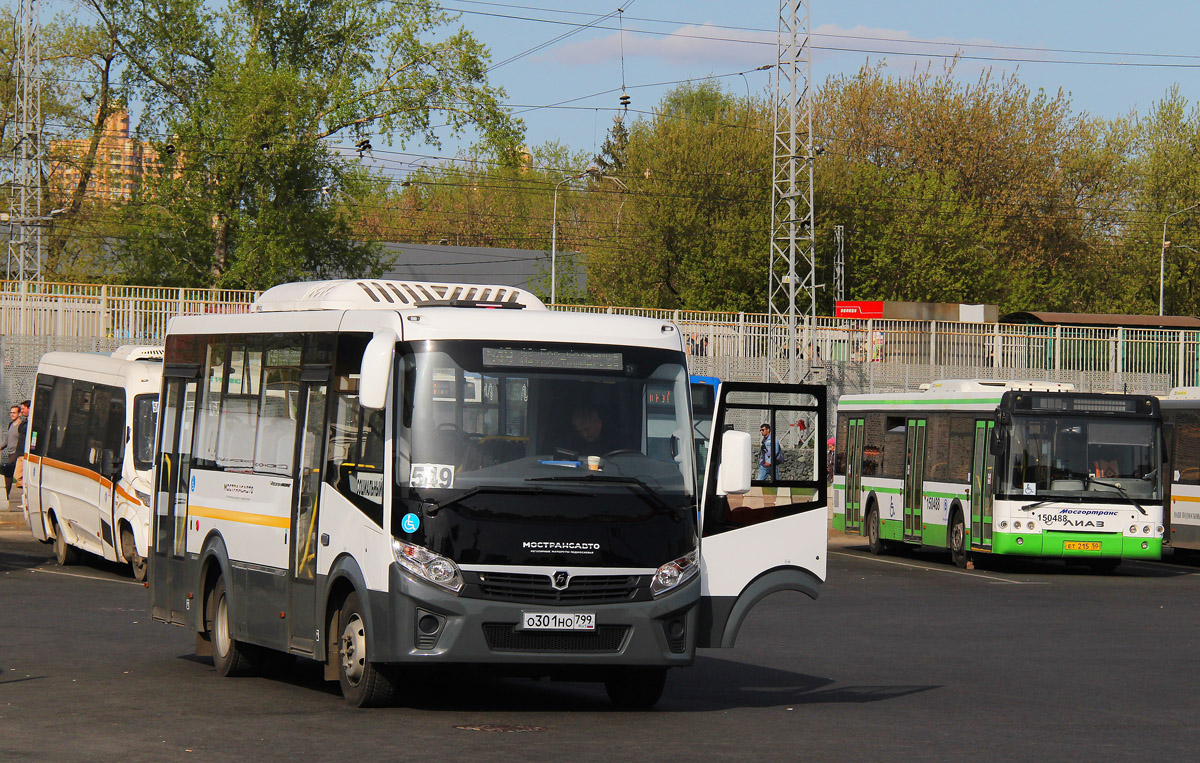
{"x":244,"y":517}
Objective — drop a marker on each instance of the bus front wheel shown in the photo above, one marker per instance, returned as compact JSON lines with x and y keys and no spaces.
{"x":229,"y":656}
{"x":958,"y":540}
{"x":64,"y":553}
{"x":137,"y":563}
{"x":364,"y":684}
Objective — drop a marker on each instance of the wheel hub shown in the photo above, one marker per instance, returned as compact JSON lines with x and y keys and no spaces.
{"x":354,"y":649}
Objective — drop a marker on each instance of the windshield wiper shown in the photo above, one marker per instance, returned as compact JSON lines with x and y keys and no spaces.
{"x":431,"y":508}
{"x":1115,"y":485}
{"x":641,"y":489}
{"x":1032,"y":506}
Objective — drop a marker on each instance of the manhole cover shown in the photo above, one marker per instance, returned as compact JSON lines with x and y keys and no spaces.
{"x":500,"y":727}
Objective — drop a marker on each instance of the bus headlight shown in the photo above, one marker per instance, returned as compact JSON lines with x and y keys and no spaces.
{"x":673,"y":574}
{"x":427,"y":565}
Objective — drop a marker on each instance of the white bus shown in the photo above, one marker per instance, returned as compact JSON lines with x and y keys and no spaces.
{"x":1181,"y":417}
{"x":994,"y":467}
{"x":90,"y":454}
{"x":381,"y":474}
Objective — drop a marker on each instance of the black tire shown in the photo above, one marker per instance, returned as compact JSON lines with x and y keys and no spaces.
{"x":635,"y":688}
{"x":64,"y":552}
{"x":364,"y":684}
{"x":957,"y":539}
{"x":230,"y":657}
{"x":877,"y":545}
{"x":137,"y":563}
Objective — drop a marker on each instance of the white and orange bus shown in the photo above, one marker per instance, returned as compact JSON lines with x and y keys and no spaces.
{"x":90,"y":454}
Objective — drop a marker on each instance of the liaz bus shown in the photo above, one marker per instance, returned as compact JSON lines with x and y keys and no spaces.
{"x":379,"y":475}
{"x":90,"y":445}
{"x":1181,"y":417}
{"x":993,"y":467}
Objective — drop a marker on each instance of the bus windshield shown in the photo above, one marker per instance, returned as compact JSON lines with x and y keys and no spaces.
{"x":476,"y":414}
{"x":1077,"y":456}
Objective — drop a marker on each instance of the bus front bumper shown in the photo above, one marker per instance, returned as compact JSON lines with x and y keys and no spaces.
{"x":1068,"y":545}
{"x":418,"y":622}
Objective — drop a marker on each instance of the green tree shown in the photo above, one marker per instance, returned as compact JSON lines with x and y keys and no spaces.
{"x":242,"y":105}
{"x":694,"y":225}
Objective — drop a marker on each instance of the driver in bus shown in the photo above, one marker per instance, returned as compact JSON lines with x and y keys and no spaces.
{"x":590,"y":436}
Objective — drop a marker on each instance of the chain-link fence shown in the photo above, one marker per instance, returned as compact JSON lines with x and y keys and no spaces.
{"x":19,"y":356}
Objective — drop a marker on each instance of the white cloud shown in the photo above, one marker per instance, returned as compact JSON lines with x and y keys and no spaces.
{"x":711,"y":48}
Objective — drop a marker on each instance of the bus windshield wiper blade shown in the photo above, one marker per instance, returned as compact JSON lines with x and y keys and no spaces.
{"x":1032,"y":506}
{"x":432,"y":508}
{"x":1121,"y":490}
{"x":640,"y":488}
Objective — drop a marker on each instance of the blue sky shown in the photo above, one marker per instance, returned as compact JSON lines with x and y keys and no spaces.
{"x":1112,"y":57}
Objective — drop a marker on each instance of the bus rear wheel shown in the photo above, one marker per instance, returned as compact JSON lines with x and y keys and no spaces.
{"x":958,"y":540}
{"x":364,"y":684}
{"x":876,"y":543}
{"x":229,"y":656}
{"x":635,"y":688}
{"x":64,"y":553}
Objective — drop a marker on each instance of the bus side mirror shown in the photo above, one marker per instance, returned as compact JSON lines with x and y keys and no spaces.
{"x":733,"y":476}
{"x":376,"y":370}
{"x":107,"y":466}
{"x":996,"y":442}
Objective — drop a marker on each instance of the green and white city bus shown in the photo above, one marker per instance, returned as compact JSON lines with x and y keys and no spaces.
{"x":1181,"y":417}
{"x":1003,"y":467}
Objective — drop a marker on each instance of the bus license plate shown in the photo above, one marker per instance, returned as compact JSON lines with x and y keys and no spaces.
{"x":1082,"y":545}
{"x":558,"y":621}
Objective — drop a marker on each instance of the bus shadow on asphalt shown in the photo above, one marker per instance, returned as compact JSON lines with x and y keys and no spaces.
{"x":711,"y":684}
{"x":1170,"y":566}
{"x":10,"y":562}
{"x":719,"y":684}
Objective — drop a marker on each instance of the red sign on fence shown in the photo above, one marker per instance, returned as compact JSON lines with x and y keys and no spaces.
{"x":862,"y":309}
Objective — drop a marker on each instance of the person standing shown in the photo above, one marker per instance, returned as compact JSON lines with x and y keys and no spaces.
{"x":768,"y":455}
{"x":19,"y":470}
{"x":9,"y":448}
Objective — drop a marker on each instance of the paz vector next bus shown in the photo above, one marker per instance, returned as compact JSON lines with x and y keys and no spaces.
{"x":379,"y":475}
{"x":997,"y":467}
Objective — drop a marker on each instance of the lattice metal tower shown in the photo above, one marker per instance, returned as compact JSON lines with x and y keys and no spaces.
{"x":839,"y":263}
{"x":793,"y":291}
{"x":25,"y":198}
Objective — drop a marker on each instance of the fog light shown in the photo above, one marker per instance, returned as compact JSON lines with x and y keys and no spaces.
{"x":1020,"y":541}
{"x":428,"y":624}
{"x":1145,"y":544}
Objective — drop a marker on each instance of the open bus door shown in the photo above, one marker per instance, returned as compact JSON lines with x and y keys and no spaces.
{"x":772,"y":536}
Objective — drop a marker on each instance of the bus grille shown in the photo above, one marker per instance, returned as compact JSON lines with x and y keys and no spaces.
{"x":582,"y":589}
{"x":502,"y":637}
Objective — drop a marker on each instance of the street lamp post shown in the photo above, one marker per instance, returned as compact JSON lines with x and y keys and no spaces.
{"x":592,"y":170}
{"x":1162,"y":259}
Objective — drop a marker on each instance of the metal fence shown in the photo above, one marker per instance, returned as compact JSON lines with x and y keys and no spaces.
{"x":133,"y":313}
{"x":846,"y":354}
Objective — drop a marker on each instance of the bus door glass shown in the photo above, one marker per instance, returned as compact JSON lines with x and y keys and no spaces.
{"x":983,"y":465}
{"x":775,"y":536}
{"x":914,"y":478}
{"x":302,"y":622}
{"x":854,"y":456}
{"x":167,"y":586}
